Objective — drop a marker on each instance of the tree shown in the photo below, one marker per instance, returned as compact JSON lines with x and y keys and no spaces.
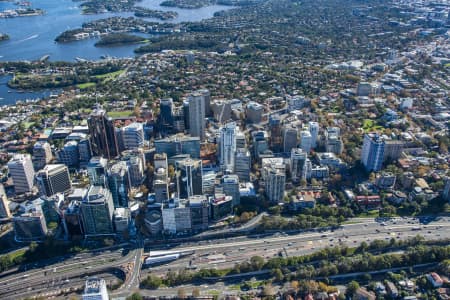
{"x":277,"y":274}
{"x":135,"y":296}
{"x":257,"y":262}
{"x":352,"y":286}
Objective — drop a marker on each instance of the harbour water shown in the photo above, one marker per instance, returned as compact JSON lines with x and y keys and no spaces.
{"x":33,"y":37}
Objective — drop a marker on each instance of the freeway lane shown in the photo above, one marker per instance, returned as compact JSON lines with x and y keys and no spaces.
{"x":226,"y":252}
{"x":219,"y":253}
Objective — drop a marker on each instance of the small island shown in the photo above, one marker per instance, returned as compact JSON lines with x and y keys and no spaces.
{"x":21,"y":12}
{"x":187,"y":4}
{"x":117,"y":39}
{"x":102,"y":6}
{"x":143,"y":12}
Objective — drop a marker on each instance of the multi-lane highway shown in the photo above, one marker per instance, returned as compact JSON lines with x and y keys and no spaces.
{"x":69,"y":273}
{"x":223,"y":253}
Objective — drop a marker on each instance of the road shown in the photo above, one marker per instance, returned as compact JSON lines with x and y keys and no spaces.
{"x":225,"y":253}
{"x":67,"y":273}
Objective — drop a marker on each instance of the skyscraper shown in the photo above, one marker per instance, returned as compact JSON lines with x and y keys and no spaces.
{"x":372,"y":153}
{"x":97,"y":170}
{"x":42,"y":154}
{"x":4,"y":204}
{"x":207,"y":96}
{"x":227,"y":144}
{"x":197,"y":115}
{"x":133,"y":136}
{"x":274,"y":175}
{"x":314,"y":130}
{"x":230,"y":185}
{"x":97,"y":211}
{"x":298,"y":164}
{"x":189,"y":178}
{"x":179,"y":144}
{"x":103,"y":136}
{"x":69,"y":154}
{"x":166,"y":115}
{"x":242,"y":164}
{"x":30,"y":226}
{"x":95,"y":289}
{"x":306,"y":141}
{"x":333,"y":141}
{"x":53,"y":179}
{"x":119,"y":184}
{"x":290,"y":138}
{"x":276,"y":138}
{"x":22,"y":172}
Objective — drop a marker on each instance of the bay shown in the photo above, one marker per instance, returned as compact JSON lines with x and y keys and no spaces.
{"x":33,"y":37}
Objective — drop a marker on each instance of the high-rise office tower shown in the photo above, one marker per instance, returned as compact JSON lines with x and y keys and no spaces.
{"x":314,"y":130}
{"x":22,"y":172}
{"x":276,"y":138}
{"x":30,"y":226}
{"x":97,"y":211}
{"x":69,"y":154}
{"x":95,"y":289}
{"x":297,"y":164}
{"x":372,"y":153}
{"x":306,"y":141}
{"x":4,"y":204}
{"x":189,"y":177}
{"x":179,"y":144}
{"x":254,"y":112}
{"x":42,"y":154}
{"x":290,"y":138}
{"x":133,"y":136}
{"x":242,"y":164}
{"x":230,"y":185}
{"x":103,"y":136}
{"x":96,"y":169}
{"x":199,"y":207}
{"x":197,"y":115}
{"x":166,"y":115}
{"x":53,"y":179}
{"x":119,"y":184}
{"x":207,"y":96}
{"x":227,"y":144}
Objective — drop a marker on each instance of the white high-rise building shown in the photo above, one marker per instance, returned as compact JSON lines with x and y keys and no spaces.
{"x":197,"y":115}
{"x":314,"y":130}
{"x":133,"y":136}
{"x":333,"y":141}
{"x":227,"y":144}
{"x":95,"y":289}
{"x":242,"y":164}
{"x":53,"y":179}
{"x":306,"y":141}
{"x":22,"y":172}
{"x":4,"y":204}
{"x":42,"y":154}
{"x":274,"y":175}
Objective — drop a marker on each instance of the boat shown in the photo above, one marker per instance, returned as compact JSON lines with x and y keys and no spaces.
{"x":79,"y":59}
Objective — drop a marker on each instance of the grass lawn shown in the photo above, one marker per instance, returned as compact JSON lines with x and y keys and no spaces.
{"x":370,"y":125}
{"x":119,"y":114}
{"x":86,"y":85}
{"x":369,"y":214}
{"x":27,"y":125}
{"x":17,"y":254}
{"x":109,"y":76}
